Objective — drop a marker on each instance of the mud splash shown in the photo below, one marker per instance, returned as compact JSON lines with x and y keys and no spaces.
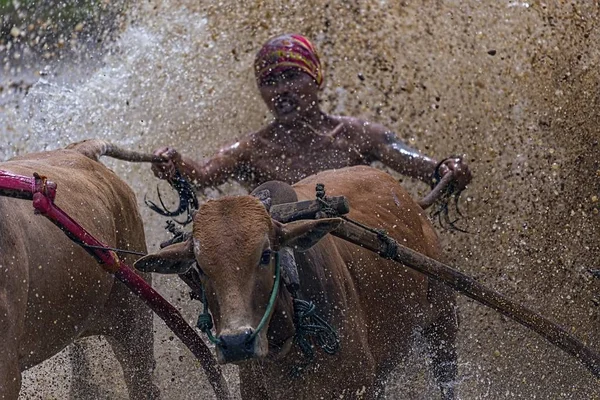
{"x":513,"y":85}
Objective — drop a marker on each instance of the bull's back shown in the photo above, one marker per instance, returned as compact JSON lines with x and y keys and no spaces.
{"x":385,"y":299}
{"x":377,"y":200}
{"x":56,"y":288}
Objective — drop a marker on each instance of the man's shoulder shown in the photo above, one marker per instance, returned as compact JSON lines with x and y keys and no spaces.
{"x":237,"y":147}
{"x":248,"y":144}
{"x":249,"y":139}
{"x":258,"y":138}
{"x":347,"y":121}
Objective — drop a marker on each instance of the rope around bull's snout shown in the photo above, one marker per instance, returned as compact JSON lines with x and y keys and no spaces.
{"x":205,"y":321}
{"x":308,"y":324}
{"x":271,"y":304}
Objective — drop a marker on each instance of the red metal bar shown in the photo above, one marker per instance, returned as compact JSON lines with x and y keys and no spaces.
{"x":42,"y":193}
{"x":23,"y":187}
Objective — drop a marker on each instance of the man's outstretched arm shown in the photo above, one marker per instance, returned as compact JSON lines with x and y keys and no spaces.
{"x":387,"y":148}
{"x":212,"y":172}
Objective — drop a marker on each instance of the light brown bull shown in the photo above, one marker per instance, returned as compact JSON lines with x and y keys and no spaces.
{"x":51,"y":290}
{"x":374,"y":310}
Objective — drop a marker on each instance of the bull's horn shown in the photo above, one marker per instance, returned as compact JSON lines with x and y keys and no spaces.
{"x":265,"y":197}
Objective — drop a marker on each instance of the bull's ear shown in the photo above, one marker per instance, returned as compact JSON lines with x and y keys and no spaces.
{"x":174,"y":259}
{"x":302,"y":235}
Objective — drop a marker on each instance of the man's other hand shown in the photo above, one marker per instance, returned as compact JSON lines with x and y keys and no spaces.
{"x":461,"y":172}
{"x":166,"y":169}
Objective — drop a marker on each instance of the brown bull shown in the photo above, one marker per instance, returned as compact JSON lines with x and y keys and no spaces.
{"x":51,"y":290}
{"x":374,"y":310}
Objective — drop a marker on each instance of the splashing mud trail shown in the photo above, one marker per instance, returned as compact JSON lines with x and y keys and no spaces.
{"x":513,"y":85}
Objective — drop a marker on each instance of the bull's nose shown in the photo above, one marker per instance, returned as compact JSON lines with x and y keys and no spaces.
{"x":237,"y":347}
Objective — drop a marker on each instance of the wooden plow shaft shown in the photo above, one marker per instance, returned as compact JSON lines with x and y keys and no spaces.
{"x":386,"y":246}
{"x":475,"y":290}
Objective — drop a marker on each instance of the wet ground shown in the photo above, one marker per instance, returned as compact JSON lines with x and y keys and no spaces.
{"x":512,"y":85}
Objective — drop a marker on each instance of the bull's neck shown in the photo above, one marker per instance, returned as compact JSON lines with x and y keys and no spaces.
{"x":281,"y":327}
{"x":313,"y":288}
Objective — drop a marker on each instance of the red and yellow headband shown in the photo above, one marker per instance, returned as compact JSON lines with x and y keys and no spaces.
{"x":288,"y":51}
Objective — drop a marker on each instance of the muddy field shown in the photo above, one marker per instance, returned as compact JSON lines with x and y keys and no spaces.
{"x":514,"y":86}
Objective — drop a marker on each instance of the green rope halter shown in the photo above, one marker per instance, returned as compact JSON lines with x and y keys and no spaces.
{"x":205,"y":321}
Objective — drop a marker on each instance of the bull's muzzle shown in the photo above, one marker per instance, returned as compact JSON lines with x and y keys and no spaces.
{"x":236,"y":347}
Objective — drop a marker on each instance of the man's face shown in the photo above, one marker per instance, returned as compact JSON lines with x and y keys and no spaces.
{"x":289,"y":94}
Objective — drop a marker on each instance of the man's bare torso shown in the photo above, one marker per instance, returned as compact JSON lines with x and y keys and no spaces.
{"x":289,"y":161}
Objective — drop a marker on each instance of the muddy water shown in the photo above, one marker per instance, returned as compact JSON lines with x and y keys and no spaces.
{"x":512,"y":85}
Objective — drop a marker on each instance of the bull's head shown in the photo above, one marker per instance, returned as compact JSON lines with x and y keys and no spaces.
{"x":234,"y":242}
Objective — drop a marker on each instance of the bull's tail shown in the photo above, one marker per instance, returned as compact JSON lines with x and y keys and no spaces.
{"x":96,"y":148}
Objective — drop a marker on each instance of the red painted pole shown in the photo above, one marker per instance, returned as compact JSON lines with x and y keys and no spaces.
{"x":23,"y":187}
{"x":137,"y":285}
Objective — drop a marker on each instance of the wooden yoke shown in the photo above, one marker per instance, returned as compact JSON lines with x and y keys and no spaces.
{"x":308,"y":209}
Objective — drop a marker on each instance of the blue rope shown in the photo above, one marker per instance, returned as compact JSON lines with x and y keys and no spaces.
{"x":309,"y":325}
{"x":205,"y":322}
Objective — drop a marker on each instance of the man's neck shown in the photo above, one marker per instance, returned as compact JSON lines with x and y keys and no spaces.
{"x":305,"y":127}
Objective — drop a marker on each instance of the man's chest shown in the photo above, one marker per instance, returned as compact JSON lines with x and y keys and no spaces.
{"x":293,"y":162}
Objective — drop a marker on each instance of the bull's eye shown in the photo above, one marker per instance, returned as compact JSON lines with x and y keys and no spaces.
{"x":265,"y":258}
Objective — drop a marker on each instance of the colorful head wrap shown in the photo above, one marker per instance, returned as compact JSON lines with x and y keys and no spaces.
{"x":288,"y":51}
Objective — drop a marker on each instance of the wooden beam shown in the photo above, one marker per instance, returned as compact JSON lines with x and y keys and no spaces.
{"x":473,"y":289}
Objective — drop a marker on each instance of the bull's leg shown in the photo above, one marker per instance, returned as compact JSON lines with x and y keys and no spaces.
{"x":82,"y":380}
{"x":130,"y":333}
{"x":10,"y":374}
{"x":440,"y":337}
{"x":137,"y":361}
{"x":379,"y":388}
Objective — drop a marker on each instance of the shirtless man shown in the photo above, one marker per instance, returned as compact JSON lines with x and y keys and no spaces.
{"x":302,"y":140}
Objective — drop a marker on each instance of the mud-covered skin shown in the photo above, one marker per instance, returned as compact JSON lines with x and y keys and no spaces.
{"x":275,"y":153}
